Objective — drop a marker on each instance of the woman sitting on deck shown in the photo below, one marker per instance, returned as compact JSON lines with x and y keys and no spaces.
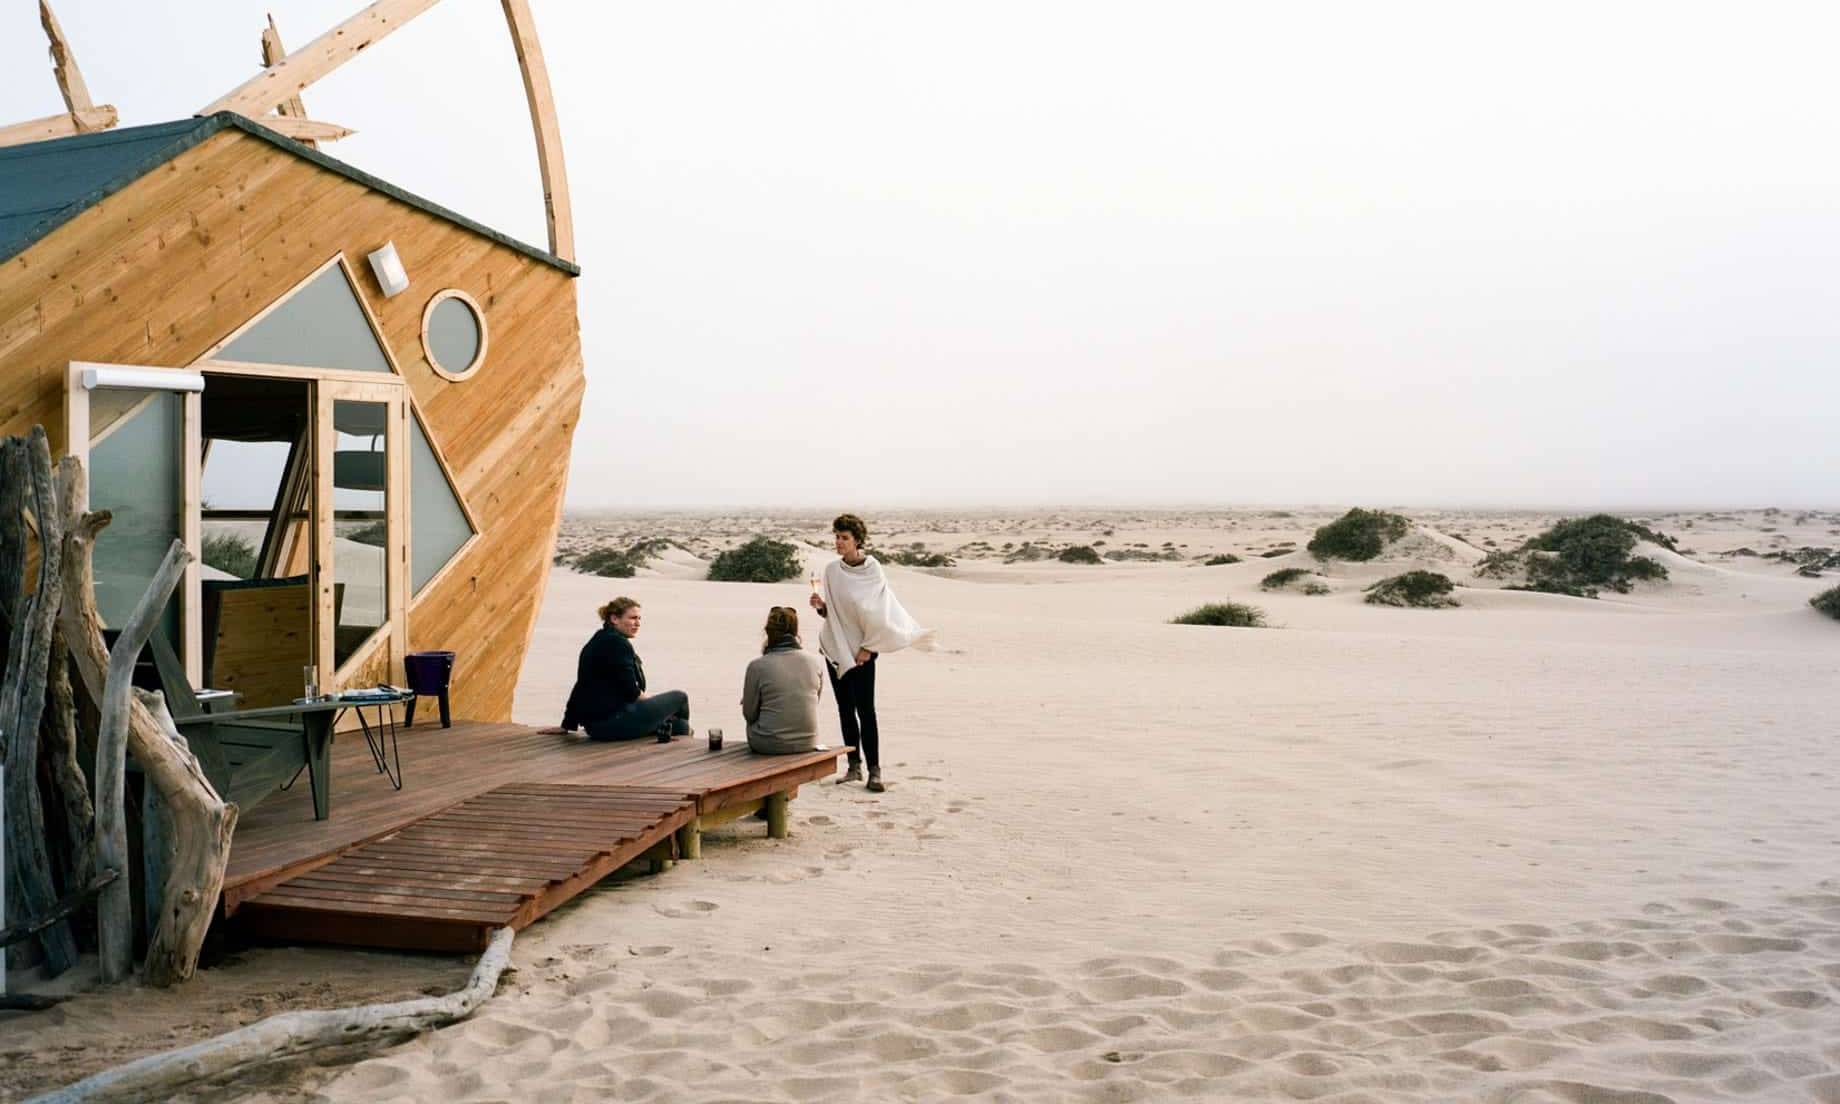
{"x":609,"y":698}
{"x":779,"y":693}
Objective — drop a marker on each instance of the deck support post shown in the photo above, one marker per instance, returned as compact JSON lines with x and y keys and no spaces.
{"x":778,"y":808}
{"x":690,"y":839}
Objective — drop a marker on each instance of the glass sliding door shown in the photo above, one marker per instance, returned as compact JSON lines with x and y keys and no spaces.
{"x":257,"y":536}
{"x":360,"y":507}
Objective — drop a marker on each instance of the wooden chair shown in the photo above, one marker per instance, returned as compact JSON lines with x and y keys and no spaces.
{"x":257,"y":637}
{"x":246,"y":754}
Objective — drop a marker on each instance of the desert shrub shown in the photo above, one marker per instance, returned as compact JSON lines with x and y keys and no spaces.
{"x":1234,"y":615}
{"x":1079,"y":554}
{"x":1275,"y":553}
{"x":617,"y":563}
{"x":1144,"y":555}
{"x":1592,"y":552}
{"x":1579,"y":556}
{"x":1282,"y":578}
{"x":1222,"y":558}
{"x":1418,"y":589}
{"x":1358,"y":535}
{"x":916,"y":555}
{"x":231,"y":553}
{"x":1828,"y":602}
{"x":1315,"y":590}
{"x":608,"y":563}
{"x":761,"y":560}
{"x":1500,"y":564}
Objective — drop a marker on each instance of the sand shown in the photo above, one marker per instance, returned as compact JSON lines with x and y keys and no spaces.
{"x":1534,"y":848}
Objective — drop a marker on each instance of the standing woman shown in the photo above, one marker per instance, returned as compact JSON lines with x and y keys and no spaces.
{"x":862,"y":620}
{"x":609,"y":698}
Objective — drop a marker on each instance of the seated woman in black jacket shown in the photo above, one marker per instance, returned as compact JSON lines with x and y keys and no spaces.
{"x":609,"y":698}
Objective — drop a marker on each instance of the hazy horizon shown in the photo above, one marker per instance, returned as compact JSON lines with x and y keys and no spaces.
{"x":866,"y":509}
{"x":975,"y":255}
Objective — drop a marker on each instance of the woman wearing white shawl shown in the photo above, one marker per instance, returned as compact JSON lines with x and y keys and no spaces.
{"x":862,"y":620}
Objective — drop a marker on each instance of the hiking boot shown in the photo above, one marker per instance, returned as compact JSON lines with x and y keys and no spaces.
{"x":875,"y":781}
{"x":853,"y":774}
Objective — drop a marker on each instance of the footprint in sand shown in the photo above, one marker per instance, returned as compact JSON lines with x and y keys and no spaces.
{"x":687,"y":909}
{"x":820,"y":820}
{"x":648,"y":952}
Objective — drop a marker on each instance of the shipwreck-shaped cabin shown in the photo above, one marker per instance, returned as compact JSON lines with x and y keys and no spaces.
{"x":363,"y":469}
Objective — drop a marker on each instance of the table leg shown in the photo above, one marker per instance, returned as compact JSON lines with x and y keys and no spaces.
{"x":316,"y":730}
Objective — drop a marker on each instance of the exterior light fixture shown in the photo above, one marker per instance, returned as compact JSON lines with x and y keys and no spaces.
{"x":389,"y":269}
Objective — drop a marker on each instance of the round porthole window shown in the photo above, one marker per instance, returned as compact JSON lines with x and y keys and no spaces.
{"x":454,"y":334}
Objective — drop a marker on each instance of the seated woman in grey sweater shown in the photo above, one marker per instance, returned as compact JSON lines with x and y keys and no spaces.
{"x":779,"y":695}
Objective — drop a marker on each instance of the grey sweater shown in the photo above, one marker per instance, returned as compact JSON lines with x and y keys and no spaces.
{"x":779,"y":699}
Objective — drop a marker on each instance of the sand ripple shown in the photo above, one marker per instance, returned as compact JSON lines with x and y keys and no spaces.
{"x":1700,"y":1000}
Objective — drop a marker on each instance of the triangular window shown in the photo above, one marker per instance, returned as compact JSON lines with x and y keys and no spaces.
{"x":321,"y":324}
{"x":438,"y":525}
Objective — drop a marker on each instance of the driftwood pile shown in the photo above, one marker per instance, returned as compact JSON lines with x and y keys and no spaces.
{"x":65,"y":742}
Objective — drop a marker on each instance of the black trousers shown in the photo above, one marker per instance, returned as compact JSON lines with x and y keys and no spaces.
{"x":855,"y":694}
{"x":645,"y":717}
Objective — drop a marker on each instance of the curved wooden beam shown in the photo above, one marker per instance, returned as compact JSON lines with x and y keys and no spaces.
{"x":556,"y":207}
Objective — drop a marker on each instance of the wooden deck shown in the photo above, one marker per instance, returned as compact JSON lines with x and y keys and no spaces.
{"x":570,"y":811}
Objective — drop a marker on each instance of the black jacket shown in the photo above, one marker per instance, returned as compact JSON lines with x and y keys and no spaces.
{"x":608,"y":678}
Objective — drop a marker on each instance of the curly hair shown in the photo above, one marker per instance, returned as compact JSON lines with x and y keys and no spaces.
{"x":853,"y":525}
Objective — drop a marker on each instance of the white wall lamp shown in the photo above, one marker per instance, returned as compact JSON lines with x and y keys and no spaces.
{"x":127,"y":377}
{"x":389,"y":269}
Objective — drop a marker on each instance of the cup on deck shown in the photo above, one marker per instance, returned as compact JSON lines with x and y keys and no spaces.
{"x":715,"y":739}
{"x":664,"y":733}
{"x":310,"y":677}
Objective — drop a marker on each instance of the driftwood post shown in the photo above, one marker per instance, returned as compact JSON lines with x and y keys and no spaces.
{"x":197,"y":826}
{"x":116,"y":920}
{"x":69,"y":785}
{"x":22,"y":692}
{"x":200,"y":822}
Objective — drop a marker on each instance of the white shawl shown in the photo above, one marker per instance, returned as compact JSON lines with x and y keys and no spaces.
{"x":862,"y":612}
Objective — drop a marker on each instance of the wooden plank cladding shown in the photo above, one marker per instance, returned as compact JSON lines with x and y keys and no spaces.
{"x":164,"y":269}
{"x":501,"y":859}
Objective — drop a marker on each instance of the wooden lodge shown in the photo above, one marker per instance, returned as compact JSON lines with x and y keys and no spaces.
{"x":354,"y":408}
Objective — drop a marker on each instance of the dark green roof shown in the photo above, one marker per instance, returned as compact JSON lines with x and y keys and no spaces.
{"x":46,"y":184}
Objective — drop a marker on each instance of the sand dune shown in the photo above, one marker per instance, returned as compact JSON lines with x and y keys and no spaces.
{"x":1537,"y":848}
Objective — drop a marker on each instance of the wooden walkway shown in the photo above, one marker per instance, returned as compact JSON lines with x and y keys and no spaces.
{"x":496,"y":824}
{"x":501,"y":859}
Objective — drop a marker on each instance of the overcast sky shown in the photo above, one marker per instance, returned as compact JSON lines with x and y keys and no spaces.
{"x":868,"y":254}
